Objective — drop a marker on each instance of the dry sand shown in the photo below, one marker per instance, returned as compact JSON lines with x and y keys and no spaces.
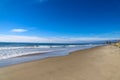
{"x":100,"y":63}
{"x":117,"y":44}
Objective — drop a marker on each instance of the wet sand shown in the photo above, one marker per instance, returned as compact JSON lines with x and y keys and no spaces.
{"x":100,"y":63}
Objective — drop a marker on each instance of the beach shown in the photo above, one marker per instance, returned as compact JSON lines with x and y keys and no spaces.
{"x":99,"y":63}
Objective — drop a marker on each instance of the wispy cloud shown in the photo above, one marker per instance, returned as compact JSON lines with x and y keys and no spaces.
{"x":19,"y":30}
{"x":16,"y":38}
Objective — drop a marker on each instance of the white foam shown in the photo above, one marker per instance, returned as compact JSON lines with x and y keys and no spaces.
{"x":5,"y":54}
{"x":10,"y":52}
{"x":6,"y":48}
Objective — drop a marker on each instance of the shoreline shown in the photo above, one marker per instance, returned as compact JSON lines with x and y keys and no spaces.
{"x":38,"y":54}
{"x":69,"y":54}
{"x":99,"y":63}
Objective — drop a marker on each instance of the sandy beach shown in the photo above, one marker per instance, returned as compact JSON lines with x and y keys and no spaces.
{"x":100,"y":63}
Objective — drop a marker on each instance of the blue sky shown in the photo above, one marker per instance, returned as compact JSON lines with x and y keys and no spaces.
{"x":59,"y":20}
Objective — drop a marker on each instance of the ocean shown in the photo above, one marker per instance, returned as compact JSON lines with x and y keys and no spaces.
{"x":15,"y":53}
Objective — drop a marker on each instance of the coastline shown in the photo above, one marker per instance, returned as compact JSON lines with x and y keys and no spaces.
{"x":99,"y":63}
{"x":40,"y":56}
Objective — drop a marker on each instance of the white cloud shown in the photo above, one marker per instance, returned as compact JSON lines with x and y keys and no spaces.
{"x":16,"y":38}
{"x":19,"y":30}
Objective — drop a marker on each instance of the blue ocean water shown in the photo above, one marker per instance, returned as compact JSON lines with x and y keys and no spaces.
{"x":15,"y":53}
